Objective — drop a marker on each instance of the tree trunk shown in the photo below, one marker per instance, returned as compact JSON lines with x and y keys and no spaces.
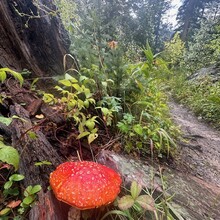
{"x":32,"y":37}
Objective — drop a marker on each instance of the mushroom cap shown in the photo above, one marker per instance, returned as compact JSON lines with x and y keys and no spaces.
{"x":85,"y":184}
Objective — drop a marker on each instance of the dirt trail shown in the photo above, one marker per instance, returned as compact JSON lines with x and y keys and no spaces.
{"x":199,"y":153}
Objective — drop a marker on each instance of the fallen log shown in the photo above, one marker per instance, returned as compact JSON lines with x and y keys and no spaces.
{"x":32,"y":149}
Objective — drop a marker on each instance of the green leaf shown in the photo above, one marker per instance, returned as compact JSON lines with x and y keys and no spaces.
{"x":28,"y":200}
{"x":16,"y":177}
{"x":91,"y":100}
{"x":105,"y":111}
{"x":77,"y":87}
{"x":135,"y":189}
{"x":65,"y":82}
{"x":6,"y":121}
{"x":9,"y":155}
{"x":16,"y":75}
{"x":44,"y":162}
{"x":27,"y":191}
{"x":31,"y":190}
{"x":146,"y":202}
{"x":92,"y":137}
{"x":2,"y":76}
{"x":87,"y":92}
{"x":70,"y":78}
{"x":125,"y":202}
{"x":8,"y":184}
{"x":123,"y":127}
{"x":32,"y":135}
{"x":35,"y":189}
{"x":5,"y":211}
{"x":90,"y":124}
{"x":83,"y":134}
{"x":138,"y":129}
{"x":11,"y":191}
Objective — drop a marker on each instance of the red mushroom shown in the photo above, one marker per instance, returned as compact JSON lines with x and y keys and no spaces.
{"x":85,"y":184}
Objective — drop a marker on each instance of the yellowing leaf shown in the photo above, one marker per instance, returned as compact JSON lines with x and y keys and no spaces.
{"x":146,"y":202}
{"x":125,"y":202}
{"x":92,"y":137}
{"x":41,"y":116}
{"x":5,"y":211}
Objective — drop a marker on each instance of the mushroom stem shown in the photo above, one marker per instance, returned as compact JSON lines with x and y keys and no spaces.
{"x":74,"y":214}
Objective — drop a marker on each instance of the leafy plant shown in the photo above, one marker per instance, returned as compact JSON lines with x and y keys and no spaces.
{"x":3,"y":75}
{"x":9,"y":155}
{"x":30,"y":195}
{"x":200,"y":95}
{"x":76,"y":98}
{"x":140,"y":203}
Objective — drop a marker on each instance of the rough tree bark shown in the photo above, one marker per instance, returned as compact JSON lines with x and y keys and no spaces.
{"x":36,"y":41}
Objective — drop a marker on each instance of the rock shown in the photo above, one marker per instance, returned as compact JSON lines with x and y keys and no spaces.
{"x":212,"y":71}
{"x":193,"y":198}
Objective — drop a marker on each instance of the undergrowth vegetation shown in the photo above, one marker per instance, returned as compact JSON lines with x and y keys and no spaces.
{"x":200,"y":95}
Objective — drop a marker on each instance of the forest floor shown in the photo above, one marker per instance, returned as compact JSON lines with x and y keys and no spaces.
{"x":199,"y":150}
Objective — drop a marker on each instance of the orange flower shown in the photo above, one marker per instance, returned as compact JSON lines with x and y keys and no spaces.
{"x":113,"y":44}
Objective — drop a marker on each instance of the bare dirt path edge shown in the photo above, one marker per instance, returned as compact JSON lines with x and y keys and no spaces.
{"x":199,"y":151}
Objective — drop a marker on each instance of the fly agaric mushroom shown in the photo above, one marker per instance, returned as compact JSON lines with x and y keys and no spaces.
{"x":85,"y":184}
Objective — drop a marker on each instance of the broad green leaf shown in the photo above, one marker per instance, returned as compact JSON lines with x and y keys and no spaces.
{"x":8,"y":184}
{"x":146,"y":202}
{"x":27,"y":191}
{"x":138,"y":129}
{"x":125,"y":202}
{"x":5,"y":120}
{"x":77,"y":87}
{"x":28,"y":200}
{"x":16,"y":177}
{"x":87,"y":92}
{"x":16,"y":75}
{"x":35,"y":189}
{"x":9,"y":155}
{"x":65,"y":82}
{"x":70,"y":78}
{"x":135,"y":189}
{"x":92,"y":137}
